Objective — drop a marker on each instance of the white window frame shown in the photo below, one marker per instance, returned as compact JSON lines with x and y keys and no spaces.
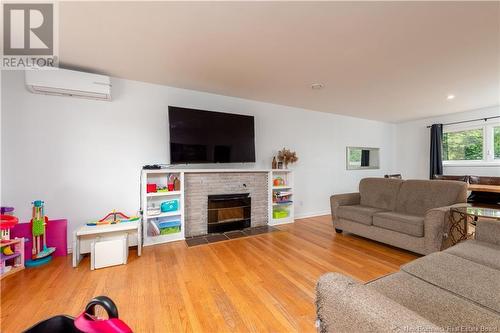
{"x":488,"y":144}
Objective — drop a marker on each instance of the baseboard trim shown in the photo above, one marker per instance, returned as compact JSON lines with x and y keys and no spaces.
{"x":312,"y":214}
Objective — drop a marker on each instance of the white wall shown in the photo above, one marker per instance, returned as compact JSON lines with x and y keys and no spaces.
{"x":413,"y":142}
{"x":84,"y":157}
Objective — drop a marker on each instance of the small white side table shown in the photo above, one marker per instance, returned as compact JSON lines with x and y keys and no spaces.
{"x":85,"y":235}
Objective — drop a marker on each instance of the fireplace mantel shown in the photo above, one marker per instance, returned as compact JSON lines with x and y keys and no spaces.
{"x":201,"y":170}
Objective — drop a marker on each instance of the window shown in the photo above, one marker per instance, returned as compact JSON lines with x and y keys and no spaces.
{"x":469,"y":143}
{"x":463,"y":145}
{"x":496,"y":142}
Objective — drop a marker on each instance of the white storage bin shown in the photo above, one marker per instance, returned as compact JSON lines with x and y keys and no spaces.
{"x":109,"y":251}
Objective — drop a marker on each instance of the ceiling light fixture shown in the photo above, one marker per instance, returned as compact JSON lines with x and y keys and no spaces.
{"x":317,"y":86}
{"x":450,"y":97}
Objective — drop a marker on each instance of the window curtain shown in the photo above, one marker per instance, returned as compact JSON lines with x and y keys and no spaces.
{"x":436,"y":165}
{"x":365,"y":158}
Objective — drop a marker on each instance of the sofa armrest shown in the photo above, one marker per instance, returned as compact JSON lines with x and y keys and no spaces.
{"x":345,"y":199}
{"x":344,"y":305}
{"x":488,"y":231}
{"x":436,"y":227}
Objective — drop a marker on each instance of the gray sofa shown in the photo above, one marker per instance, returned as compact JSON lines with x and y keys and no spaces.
{"x":410,"y":214}
{"x":456,"y":290}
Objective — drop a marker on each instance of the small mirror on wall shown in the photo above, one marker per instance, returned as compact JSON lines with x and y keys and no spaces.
{"x":360,"y":158}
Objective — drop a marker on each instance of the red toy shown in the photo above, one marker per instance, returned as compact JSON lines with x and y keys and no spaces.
{"x":11,"y":250}
{"x":151,"y":188}
{"x":7,"y":222}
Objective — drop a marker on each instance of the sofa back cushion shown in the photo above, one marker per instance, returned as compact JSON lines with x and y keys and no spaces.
{"x":450,"y":177}
{"x":379,"y":192}
{"x":416,"y":197}
{"x":482,"y":180}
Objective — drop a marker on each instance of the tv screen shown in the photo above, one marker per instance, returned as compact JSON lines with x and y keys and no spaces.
{"x":198,"y":136}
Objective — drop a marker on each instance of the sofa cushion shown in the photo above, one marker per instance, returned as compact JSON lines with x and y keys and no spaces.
{"x":473,"y":281}
{"x":439,"y":306}
{"x":450,"y":177}
{"x":344,"y":305}
{"x":488,"y":230}
{"x":358,"y":213}
{"x":416,"y":197}
{"x":484,"y":180}
{"x":379,"y":192}
{"x":404,"y":223}
{"x":480,"y":252}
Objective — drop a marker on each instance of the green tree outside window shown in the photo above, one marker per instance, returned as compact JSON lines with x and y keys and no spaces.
{"x":465,"y":145}
{"x":355,"y":156}
{"x":496,"y":142}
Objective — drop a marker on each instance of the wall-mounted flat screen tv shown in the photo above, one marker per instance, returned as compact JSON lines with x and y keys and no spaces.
{"x":198,"y":136}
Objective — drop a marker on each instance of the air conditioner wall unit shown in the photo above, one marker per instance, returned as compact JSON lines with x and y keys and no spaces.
{"x":64,"y":82}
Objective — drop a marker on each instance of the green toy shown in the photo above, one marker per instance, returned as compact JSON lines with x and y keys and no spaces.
{"x":38,"y":223}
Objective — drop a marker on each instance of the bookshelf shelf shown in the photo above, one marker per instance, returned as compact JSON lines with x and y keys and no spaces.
{"x":163,"y":194}
{"x":281,"y":205}
{"x":161,"y":178}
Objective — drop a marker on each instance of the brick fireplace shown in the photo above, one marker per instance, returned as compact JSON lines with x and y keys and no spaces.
{"x":199,"y":186}
{"x":227,"y":212}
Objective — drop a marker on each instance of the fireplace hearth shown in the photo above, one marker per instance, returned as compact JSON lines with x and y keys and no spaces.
{"x":228,"y":212}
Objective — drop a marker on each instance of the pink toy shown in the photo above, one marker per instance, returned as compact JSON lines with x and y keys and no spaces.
{"x":86,"y":322}
{"x":56,"y":236}
{"x":11,"y":250}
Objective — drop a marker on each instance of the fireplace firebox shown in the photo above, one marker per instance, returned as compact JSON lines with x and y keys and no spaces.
{"x":228,"y":212}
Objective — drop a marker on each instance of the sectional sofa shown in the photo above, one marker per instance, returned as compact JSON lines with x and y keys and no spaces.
{"x":410,"y":214}
{"x":456,"y":290}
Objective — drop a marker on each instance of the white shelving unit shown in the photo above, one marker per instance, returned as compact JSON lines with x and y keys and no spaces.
{"x":285,"y":188}
{"x":160,"y":177}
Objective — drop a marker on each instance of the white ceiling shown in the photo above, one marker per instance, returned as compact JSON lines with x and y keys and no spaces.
{"x":389,"y":61}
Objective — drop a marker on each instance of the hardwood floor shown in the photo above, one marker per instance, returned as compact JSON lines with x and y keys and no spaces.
{"x":262,"y":283}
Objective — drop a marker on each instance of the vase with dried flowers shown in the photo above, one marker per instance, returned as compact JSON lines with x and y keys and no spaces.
{"x":287,"y":156}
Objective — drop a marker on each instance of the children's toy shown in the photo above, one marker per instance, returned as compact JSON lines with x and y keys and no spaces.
{"x":86,"y":322}
{"x":161,"y":189}
{"x":153,"y":210}
{"x":159,"y":227}
{"x":170,"y":205}
{"x":151,"y":188}
{"x":40,"y":254}
{"x":6,"y":210}
{"x":56,"y":234}
{"x":12,"y":250}
{"x":113,"y":218}
{"x":7,"y":222}
{"x":169,"y":227}
{"x":278,"y":181}
{"x":280,"y":214}
{"x":282,"y":197}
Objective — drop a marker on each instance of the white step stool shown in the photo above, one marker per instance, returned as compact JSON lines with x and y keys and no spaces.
{"x":109,"y":251}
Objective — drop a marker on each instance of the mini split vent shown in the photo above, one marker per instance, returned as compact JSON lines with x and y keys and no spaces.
{"x":64,"y":82}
